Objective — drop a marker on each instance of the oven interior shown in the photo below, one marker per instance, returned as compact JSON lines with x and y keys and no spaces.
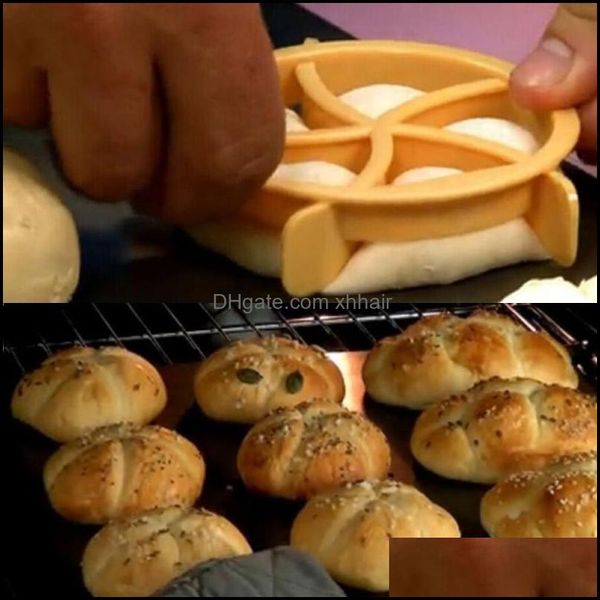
{"x":45,"y":550}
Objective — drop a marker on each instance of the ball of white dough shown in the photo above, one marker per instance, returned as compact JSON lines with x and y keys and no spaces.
{"x":500,"y":131}
{"x":590,"y":289}
{"x":40,"y":244}
{"x":556,"y":290}
{"x":293,"y":122}
{"x":319,"y":172}
{"x":375,"y":100}
{"x":425,"y":174}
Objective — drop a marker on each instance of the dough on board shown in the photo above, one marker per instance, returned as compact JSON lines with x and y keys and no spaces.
{"x":557,"y":290}
{"x":590,"y":289}
{"x":382,"y":266}
{"x":40,"y":244}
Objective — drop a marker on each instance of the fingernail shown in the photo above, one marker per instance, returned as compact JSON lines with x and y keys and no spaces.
{"x":548,"y":65}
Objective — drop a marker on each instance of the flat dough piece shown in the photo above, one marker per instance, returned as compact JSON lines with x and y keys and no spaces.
{"x":40,"y":243}
{"x":375,"y":100}
{"x":550,"y":291}
{"x":383,"y":266}
{"x":248,"y":245}
{"x":590,"y":289}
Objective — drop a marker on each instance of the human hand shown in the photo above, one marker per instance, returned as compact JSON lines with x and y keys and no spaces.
{"x":486,"y":567}
{"x":177,"y":105}
{"x":562,"y":71}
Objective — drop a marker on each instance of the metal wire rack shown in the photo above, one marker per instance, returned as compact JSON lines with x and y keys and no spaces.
{"x":175,"y":333}
{"x":172,"y":333}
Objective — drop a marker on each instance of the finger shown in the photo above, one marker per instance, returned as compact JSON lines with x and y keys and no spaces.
{"x":584,"y":10}
{"x":561,"y":71}
{"x":587,"y":147}
{"x":23,"y":84}
{"x":225,"y":110}
{"x":104,"y":115}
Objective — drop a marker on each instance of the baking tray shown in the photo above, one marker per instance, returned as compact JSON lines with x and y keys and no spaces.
{"x":175,"y":338}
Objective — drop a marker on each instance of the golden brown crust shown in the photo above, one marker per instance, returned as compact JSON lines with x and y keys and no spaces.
{"x":556,"y":500}
{"x":79,"y":389}
{"x":297,"y":452}
{"x":122,"y":470}
{"x":348,"y":530}
{"x":444,"y":354}
{"x":244,"y":381}
{"x":140,"y":555}
{"x":493,"y":428}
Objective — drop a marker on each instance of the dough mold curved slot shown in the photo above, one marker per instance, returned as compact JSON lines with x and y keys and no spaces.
{"x":321,"y":227}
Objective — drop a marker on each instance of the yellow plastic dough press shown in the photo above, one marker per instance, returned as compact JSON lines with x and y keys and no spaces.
{"x":322,"y":226}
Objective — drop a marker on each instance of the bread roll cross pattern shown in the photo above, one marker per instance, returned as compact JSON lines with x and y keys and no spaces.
{"x":556,"y":499}
{"x":486,"y":433}
{"x":243,"y":382}
{"x":79,"y":389}
{"x":445,"y":354}
{"x":348,"y":530}
{"x":41,"y":257}
{"x":121,"y":470}
{"x":297,"y":452}
{"x":140,"y":555}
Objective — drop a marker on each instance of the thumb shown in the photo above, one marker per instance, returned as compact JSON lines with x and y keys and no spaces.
{"x":561,"y":71}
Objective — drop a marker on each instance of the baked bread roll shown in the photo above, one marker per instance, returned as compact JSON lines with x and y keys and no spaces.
{"x":443,"y":355}
{"x":79,"y":389}
{"x":140,"y":555}
{"x":122,"y":470}
{"x":348,"y":530}
{"x":297,"y":452}
{"x":484,"y":434}
{"x":244,"y":381}
{"x":557,"y":500}
{"x":41,"y":259}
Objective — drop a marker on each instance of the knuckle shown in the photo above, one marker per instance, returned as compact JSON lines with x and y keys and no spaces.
{"x":248,"y":161}
{"x":112,"y":175}
{"x":84,"y":17}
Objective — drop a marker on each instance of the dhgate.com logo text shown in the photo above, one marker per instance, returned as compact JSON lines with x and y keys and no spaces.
{"x":269,"y":303}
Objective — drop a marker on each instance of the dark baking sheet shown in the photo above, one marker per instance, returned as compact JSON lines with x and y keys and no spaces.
{"x":45,"y":545}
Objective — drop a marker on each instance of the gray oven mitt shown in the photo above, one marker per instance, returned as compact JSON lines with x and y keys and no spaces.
{"x":278,"y":573}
